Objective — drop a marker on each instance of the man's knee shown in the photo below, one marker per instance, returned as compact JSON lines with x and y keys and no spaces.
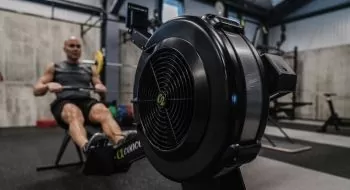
{"x":99,"y":112}
{"x":72,"y":113}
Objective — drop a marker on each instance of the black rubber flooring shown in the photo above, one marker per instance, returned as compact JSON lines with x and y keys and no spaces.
{"x":24,"y":149}
{"x":344,"y":130}
{"x":324,"y":158}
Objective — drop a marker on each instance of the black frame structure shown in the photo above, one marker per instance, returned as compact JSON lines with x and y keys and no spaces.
{"x":65,"y":141}
{"x":57,"y":164}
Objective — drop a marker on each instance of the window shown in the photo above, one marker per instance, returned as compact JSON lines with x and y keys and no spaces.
{"x":171,"y":9}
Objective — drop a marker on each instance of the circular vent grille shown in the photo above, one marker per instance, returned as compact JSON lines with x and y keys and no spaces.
{"x":165,"y":97}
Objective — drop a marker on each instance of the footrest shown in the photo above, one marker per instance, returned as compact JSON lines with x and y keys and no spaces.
{"x":130,"y":151}
{"x":104,"y":161}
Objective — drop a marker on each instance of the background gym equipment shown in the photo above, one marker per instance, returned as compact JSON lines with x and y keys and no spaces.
{"x":285,"y":144}
{"x":103,"y":161}
{"x":286,"y":107}
{"x":201,"y":97}
{"x":334,"y":118}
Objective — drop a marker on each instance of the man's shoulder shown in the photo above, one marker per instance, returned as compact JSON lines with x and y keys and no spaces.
{"x":58,"y":63}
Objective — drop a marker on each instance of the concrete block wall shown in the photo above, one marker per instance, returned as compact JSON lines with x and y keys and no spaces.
{"x":129,"y":54}
{"x":28,"y":45}
{"x":323,"y":42}
{"x":324,"y":70}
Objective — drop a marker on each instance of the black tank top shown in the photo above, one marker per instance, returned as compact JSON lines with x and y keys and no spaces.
{"x":77,"y":75}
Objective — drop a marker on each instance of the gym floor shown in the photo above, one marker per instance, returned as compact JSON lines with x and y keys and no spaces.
{"x":324,"y":167}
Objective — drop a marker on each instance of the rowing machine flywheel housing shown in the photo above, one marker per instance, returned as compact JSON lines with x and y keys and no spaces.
{"x":201,"y":97}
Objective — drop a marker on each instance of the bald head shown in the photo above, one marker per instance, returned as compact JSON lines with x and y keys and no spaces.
{"x":71,"y":38}
{"x":72,"y":48}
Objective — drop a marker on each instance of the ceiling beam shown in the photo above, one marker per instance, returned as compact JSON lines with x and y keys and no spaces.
{"x":243,"y":7}
{"x":312,"y":14}
{"x":247,"y":8}
{"x":116,"y":6}
{"x":285,"y":8}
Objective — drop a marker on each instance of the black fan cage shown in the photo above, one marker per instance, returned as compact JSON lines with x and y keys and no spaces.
{"x":166,"y":99}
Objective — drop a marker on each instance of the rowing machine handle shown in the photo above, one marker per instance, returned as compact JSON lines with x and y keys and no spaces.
{"x":77,"y":88}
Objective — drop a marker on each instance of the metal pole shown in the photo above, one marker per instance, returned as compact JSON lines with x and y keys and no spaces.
{"x":159,"y":8}
{"x":295,"y":67}
{"x":270,"y":141}
{"x":104,"y":18}
{"x":265,"y":40}
{"x":280,"y":128}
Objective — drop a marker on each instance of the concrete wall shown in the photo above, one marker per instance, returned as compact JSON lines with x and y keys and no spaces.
{"x":324,"y":70}
{"x":323,"y":42}
{"x":28,"y":45}
{"x":129,"y":54}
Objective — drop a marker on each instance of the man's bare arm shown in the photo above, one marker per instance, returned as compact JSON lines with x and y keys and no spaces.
{"x":41,"y":88}
{"x":95,"y":76}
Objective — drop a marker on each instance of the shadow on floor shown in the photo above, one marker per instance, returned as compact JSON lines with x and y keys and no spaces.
{"x":324,"y":158}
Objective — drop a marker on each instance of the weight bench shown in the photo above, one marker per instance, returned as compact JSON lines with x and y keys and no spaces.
{"x":66,"y":139}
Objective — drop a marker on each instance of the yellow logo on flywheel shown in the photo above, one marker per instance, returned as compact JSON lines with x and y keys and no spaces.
{"x":161,"y":101}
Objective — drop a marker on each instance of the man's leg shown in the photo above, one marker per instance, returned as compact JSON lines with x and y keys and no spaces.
{"x":72,"y":115}
{"x":99,"y":113}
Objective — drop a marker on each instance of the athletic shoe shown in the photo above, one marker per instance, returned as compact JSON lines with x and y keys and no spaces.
{"x":128,"y":135}
{"x":96,"y":140}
